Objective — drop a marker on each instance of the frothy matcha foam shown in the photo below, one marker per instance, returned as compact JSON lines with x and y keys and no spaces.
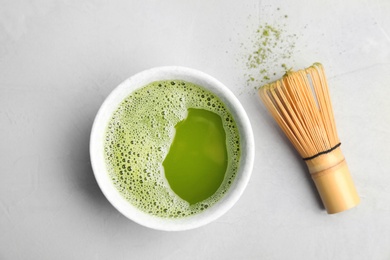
{"x":138,"y":138}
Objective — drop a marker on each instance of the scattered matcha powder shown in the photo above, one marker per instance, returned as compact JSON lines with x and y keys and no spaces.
{"x":271,"y":48}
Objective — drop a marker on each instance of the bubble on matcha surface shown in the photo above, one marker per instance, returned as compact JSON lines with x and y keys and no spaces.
{"x":138,"y":138}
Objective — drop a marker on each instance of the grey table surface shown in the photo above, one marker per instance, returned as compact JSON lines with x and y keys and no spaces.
{"x":60,"y":59}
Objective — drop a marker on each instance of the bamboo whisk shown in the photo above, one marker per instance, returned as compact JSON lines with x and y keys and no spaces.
{"x":301,"y":105}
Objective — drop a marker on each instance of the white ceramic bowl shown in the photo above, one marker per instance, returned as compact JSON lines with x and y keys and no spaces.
{"x":97,"y":148}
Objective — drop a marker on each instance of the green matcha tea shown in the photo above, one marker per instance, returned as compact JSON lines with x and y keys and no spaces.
{"x":197,"y":159}
{"x":172,"y":149}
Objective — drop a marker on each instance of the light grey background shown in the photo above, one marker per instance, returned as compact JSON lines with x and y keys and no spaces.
{"x":60,"y":59}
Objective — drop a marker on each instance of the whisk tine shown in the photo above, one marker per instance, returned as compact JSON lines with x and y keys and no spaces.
{"x":304,"y":111}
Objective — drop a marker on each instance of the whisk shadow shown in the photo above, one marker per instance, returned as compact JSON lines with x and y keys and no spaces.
{"x":305,"y":172}
{"x":268,"y":120}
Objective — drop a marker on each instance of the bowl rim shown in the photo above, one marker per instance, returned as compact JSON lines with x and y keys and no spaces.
{"x":139,"y":80}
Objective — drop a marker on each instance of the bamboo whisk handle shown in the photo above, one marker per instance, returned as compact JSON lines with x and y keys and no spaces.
{"x":333,"y":181}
